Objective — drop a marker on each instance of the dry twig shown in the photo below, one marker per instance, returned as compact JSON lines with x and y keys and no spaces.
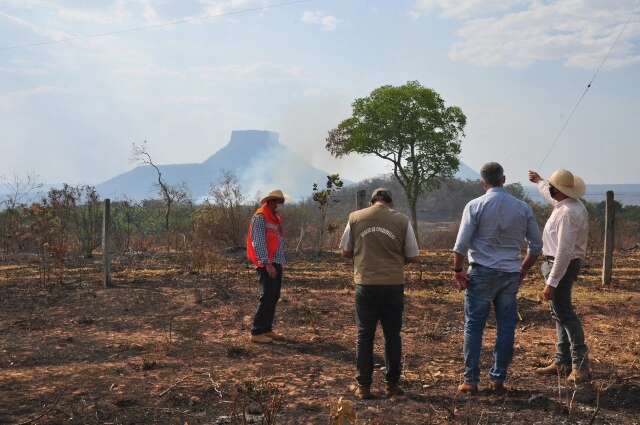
{"x":175,"y":384}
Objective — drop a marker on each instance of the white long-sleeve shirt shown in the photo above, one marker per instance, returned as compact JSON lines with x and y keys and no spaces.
{"x":565,"y":234}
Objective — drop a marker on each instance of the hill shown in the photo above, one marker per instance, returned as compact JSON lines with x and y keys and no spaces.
{"x":256,"y":157}
{"x":245,"y":155}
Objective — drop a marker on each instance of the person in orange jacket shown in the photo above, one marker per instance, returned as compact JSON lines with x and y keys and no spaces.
{"x":265,"y":249}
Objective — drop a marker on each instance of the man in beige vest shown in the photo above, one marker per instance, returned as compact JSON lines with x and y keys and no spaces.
{"x":381,"y":241}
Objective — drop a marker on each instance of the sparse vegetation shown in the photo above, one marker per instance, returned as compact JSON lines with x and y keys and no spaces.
{"x":169,"y":341}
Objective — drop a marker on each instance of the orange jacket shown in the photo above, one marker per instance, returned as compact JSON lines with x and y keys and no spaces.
{"x":273,"y":234}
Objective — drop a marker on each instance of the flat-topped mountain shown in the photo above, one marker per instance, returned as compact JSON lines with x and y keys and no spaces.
{"x":255,"y":157}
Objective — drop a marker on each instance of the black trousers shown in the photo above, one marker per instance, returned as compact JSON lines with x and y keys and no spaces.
{"x":571,"y":349}
{"x":269,"y":296}
{"x":384,"y":303}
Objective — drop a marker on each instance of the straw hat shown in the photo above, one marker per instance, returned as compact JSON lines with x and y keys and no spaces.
{"x":567,"y":183}
{"x":274,"y":194}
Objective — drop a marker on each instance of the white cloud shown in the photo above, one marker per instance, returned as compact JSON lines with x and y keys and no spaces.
{"x":53,"y":35}
{"x":220,"y":7}
{"x":149,"y":13}
{"x":464,"y":8}
{"x":318,"y":17}
{"x":116,"y":13}
{"x":517,"y":33}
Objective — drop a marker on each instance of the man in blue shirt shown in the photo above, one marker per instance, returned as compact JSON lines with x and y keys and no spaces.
{"x":492,"y":232}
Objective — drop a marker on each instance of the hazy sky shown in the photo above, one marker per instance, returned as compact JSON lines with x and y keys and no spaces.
{"x":69,"y":111}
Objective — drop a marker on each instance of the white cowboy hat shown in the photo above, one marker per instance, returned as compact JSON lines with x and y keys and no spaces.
{"x":274,"y":194}
{"x":567,"y":183}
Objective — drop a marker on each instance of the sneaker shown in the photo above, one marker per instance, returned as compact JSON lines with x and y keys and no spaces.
{"x":274,"y":335}
{"x":467,"y":388}
{"x":553,"y":369}
{"x":363,"y":392}
{"x":394,"y":390}
{"x":261,"y":339}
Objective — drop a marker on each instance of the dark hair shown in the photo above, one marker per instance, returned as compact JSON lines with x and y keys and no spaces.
{"x":492,"y":173}
{"x":381,"y":195}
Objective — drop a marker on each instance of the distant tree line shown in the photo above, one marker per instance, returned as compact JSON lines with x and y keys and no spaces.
{"x":67,"y":222}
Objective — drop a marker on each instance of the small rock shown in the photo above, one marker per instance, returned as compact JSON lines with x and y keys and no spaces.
{"x":537,"y":399}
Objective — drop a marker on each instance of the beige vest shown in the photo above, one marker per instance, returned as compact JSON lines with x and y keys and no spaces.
{"x":378,"y":235}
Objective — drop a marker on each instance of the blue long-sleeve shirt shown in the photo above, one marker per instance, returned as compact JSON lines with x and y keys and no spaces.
{"x":493,"y":229}
{"x":259,"y":240}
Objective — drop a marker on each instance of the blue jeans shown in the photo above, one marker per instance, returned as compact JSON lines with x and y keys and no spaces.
{"x":489,"y":286}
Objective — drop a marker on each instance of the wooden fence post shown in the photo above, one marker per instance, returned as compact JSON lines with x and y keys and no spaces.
{"x":609,"y":227}
{"x":361,"y":199}
{"x":106,"y":243}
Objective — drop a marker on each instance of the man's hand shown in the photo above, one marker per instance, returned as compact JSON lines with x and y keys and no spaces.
{"x":534,"y":177}
{"x":461,"y":279}
{"x":523,"y":274}
{"x":548,"y":292}
{"x":271,"y":271}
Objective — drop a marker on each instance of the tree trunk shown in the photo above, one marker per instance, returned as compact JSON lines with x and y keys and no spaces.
{"x":321,"y":236}
{"x":166,"y":225}
{"x":413,"y":206}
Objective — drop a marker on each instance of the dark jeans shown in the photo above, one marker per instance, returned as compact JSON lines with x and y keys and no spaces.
{"x":263,"y":320}
{"x":570,"y":347}
{"x":489,"y":287}
{"x":384,"y":303}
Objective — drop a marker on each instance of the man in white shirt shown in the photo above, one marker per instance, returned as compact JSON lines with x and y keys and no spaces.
{"x":564,"y":248}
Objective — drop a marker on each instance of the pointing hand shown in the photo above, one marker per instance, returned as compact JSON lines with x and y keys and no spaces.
{"x":534,"y":177}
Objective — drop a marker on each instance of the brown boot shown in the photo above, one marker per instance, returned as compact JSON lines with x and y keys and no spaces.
{"x":261,"y":339}
{"x":497,"y":387}
{"x":579,"y":376}
{"x":468,"y":388}
{"x":363,"y":392}
{"x":553,"y":369}
{"x":394,"y":390}
{"x":276,"y":336}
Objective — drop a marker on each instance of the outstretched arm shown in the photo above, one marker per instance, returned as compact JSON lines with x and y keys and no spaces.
{"x":543,"y":186}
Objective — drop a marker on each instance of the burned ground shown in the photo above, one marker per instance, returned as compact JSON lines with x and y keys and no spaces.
{"x":165,"y":345}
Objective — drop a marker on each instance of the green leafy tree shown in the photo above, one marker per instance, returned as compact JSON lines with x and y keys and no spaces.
{"x":411,"y":127}
{"x":324,"y":198}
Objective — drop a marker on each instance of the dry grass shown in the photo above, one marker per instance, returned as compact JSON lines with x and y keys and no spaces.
{"x":171,"y":346}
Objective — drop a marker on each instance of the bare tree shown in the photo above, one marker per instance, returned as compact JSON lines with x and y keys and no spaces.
{"x":227,"y":197}
{"x":89,"y":219}
{"x":17,"y":190}
{"x":324,"y":198}
{"x":171,"y":194}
